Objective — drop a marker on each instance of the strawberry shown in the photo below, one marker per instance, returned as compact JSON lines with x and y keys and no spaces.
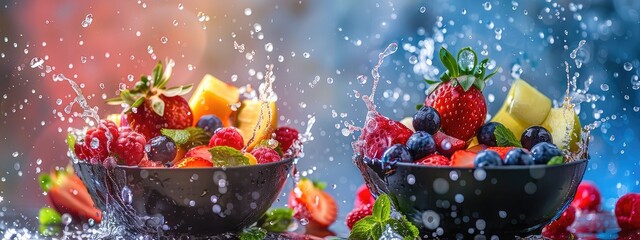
{"x":358,"y":213}
{"x":67,"y":194}
{"x":549,"y":233}
{"x":286,"y":136}
{"x":447,"y":145}
{"x":128,"y":148}
{"x":229,"y":137}
{"x":458,"y":97}
{"x":379,"y":133}
{"x":628,"y":211}
{"x":152,"y":107}
{"x":587,"y":197}
{"x":265,"y":155}
{"x":434,"y":160}
{"x":502,"y":151}
{"x":199,"y":151}
{"x":193,"y":162}
{"x":313,"y":203}
{"x":463,"y":158}
{"x":363,"y":196}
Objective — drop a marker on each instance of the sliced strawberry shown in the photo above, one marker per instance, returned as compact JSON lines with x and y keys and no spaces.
{"x":313,"y":203}
{"x":381,"y":132}
{"x":358,"y":213}
{"x":587,"y":197}
{"x":502,"y":151}
{"x":628,"y":211}
{"x":463,"y":158}
{"x":67,"y":194}
{"x":193,"y":162}
{"x":434,"y":160}
{"x":363,"y":196}
{"x":447,"y":145}
{"x":199,"y":151}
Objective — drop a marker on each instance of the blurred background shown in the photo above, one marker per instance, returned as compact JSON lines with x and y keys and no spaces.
{"x":318,"y":49}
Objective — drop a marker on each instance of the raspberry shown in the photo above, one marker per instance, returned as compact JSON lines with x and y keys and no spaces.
{"x":286,"y":136}
{"x":587,"y":197}
{"x":628,"y":211}
{"x":556,"y":234}
{"x":149,"y":163}
{"x":229,"y":137}
{"x":379,"y":133}
{"x":565,"y":220}
{"x":358,"y":213}
{"x":363,"y":196}
{"x":79,"y":150}
{"x":96,"y":140}
{"x":434,"y":160}
{"x":265,"y":155}
{"x":128,"y":149}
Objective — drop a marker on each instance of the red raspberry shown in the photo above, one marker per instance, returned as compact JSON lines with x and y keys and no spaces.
{"x":265,"y":155}
{"x":628,"y":211}
{"x":557,"y":234}
{"x":229,"y":137}
{"x":564,"y":221}
{"x":79,"y":150}
{"x":96,"y":141}
{"x":379,"y":133}
{"x":358,"y":213}
{"x":363,"y":196}
{"x":434,"y":160}
{"x":286,"y":136}
{"x":587,"y":197}
{"x":128,"y":149}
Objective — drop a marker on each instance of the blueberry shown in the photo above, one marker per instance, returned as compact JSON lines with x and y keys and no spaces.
{"x":161,"y":148}
{"x":421,"y":144}
{"x":534,"y":135}
{"x":487,"y":158}
{"x":426,"y":119}
{"x":543,"y":152}
{"x":396,"y":153}
{"x":209,"y":123}
{"x":518,"y":156}
{"x":486,"y":134}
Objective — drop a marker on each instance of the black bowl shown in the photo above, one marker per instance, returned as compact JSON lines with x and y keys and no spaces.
{"x":505,"y":201}
{"x":186,"y":200}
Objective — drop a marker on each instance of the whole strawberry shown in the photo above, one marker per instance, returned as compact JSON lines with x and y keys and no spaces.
{"x":152,"y":107}
{"x":458,"y":97}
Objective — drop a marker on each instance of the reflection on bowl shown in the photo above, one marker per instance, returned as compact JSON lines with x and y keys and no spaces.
{"x":462,"y":202}
{"x":187,"y":200}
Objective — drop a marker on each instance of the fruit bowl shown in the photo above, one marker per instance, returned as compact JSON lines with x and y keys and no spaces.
{"x":195,"y":201}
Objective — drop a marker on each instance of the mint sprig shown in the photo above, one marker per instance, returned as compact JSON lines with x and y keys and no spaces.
{"x":276,"y":220}
{"x":462,"y":70}
{"x":188,"y":137}
{"x":223,"y":156}
{"x":505,"y":138}
{"x":372,"y":227}
{"x":556,"y":160}
{"x":253,"y":233}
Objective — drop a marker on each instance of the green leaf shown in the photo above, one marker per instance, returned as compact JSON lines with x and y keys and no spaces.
{"x":71,"y":141}
{"x":267,"y":143}
{"x":45,"y":181}
{"x":319,"y":184}
{"x":505,"y":138}
{"x":466,"y":81}
{"x":157,"y":105}
{"x":367,"y":228}
{"x":253,"y":233}
{"x":403,"y":228}
{"x":382,"y":208}
{"x":556,"y":160}
{"x":49,"y":216}
{"x":419,"y":106}
{"x":449,"y":62}
{"x":479,"y":84}
{"x":178,"y":91}
{"x":188,"y":137}
{"x":227,"y":157}
{"x":114,"y":101}
{"x":157,"y":75}
{"x":491,"y":75}
{"x":445,"y":76}
{"x":277,"y":220}
{"x":431,"y":82}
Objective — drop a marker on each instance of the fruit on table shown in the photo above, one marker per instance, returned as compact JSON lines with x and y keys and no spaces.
{"x":628,"y":211}
{"x":162,"y":149}
{"x":421,"y":144}
{"x":564,"y":125}
{"x":534,"y":135}
{"x":67,"y":194}
{"x":518,"y":156}
{"x":524,"y":106}
{"x":209,"y":123}
{"x":311,"y":202}
{"x":254,"y":112}
{"x":426,"y":119}
{"x":363,"y":196}
{"x":434,"y":160}
{"x":587,"y":197}
{"x":358,"y":213}
{"x":379,"y":133}
{"x":213,"y":96}
{"x":447,"y":145}
{"x":487,"y":158}
{"x":153,"y":107}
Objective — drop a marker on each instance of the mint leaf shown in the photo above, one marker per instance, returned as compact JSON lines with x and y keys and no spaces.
{"x":276,"y":220}
{"x":49,"y":216}
{"x":223,"y":156}
{"x":188,"y":137}
{"x":367,"y":228}
{"x":556,"y":160}
{"x":505,"y":138}
{"x":253,"y":233}
{"x":382,"y":208}
{"x":403,"y":228}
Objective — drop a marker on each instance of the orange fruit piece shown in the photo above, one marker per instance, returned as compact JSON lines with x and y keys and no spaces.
{"x":252,"y":159}
{"x":213,"y":96}
{"x":193,"y":162}
{"x":248,"y":117}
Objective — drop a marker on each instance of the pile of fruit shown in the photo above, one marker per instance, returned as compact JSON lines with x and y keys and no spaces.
{"x":157,"y":128}
{"x":450,"y":129}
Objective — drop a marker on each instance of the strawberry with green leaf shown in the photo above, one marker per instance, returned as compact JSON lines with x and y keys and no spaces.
{"x":67,"y":194}
{"x":458,"y":96}
{"x":151,"y":106}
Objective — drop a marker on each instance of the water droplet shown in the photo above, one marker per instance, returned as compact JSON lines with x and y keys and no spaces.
{"x":487,"y":6}
{"x":36,"y":62}
{"x":413,"y":59}
{"x":306,"y":55}
{"x":247,"y":11}
{"x":329,"y":80}
{"x":516,"y":71}
{"x":164,"y":39}
{"x":149,"y":49}
{"x":257,"y":27}
{"x":464,"y":11}
{"x":201,"y":17}
{"x":87,"y":20}
{"x":280,"y":58}
{"x":15,"y":154}
{"x":175,"y":22}
{"x":234,"y":77}
{"x":466,"y":60}
{"x":362,"y":79}
{"x":180,"y":6}
{"x":604,"y":87}
{"x":423,"y":9}
{"x":268,"y":47}
{"x":628,"y":67}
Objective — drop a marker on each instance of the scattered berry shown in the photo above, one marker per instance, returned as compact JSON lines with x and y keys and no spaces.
{"x":518,"y":156}
{"x":193,"y":162}
{"x":434,"y":160}
{"x":502,"y":151}
{"x":628,"y":211}
{"x":487,"y":158}
{"x":426,"y":119}
{"x":587,"y":197}
{"x":199,"y":151}
{"x":363,"y":196}
{"x":486,"y":134}
{"x":463,"y":158}
{"x":534,"y":135}
{"x":358,"y":213}
{"x":421,"y":144}
{"x":312,"y":203}
{"x":229,"y":137}
{"x":286,"y":136}
{"x":379,"y":133}
{"x":564,"y":221}
{"x":543,"y":152}
{"x":128,"y":149}
{"x":161,"y":149}
{"x":461,"y":112}
{"x":447,"y":145}
{"x":210,"y":123}
{"x":265,"y":155}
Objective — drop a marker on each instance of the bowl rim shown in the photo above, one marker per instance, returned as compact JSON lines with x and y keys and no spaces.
{"x":494,"y":168}
{"x":271,"y":164}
